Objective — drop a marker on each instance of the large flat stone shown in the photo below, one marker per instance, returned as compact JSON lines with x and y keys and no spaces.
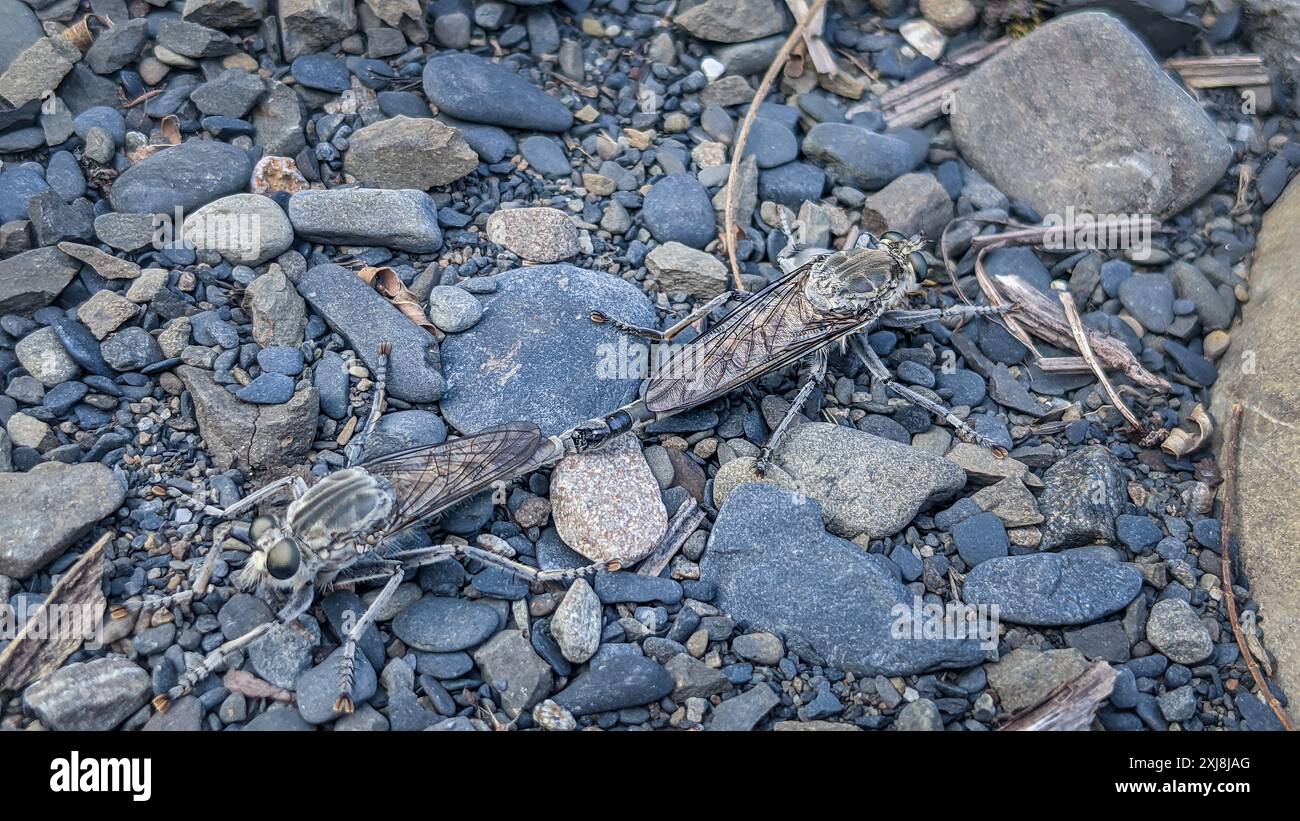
{"x":1079,"y":114}
{"x":366,"y":320}
{"x":537,"y":355}
{"x":777,"y":569}
{"x":1268,"y":468}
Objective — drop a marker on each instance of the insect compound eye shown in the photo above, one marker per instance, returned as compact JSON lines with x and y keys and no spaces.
{"x":259,"y":527}
{"x":919,"y":265}
{"x":283,"y":559}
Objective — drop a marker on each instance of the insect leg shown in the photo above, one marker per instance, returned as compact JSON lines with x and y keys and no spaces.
{"x":343,"y":704}
{"x":878,"y":370}
{"x":121,"y":611}
{"x":815,"y":375}
{"x":913,"y":319}
{"x":681,"y":325}
{"x":295,"y":607}
{"x":253,"y":498}
{"x":357,"y":447}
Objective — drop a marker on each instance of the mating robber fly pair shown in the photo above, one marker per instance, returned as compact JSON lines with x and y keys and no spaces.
{"x":339,"y":531}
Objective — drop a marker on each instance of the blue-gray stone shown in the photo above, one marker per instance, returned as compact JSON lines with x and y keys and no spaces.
{"x":777,"y":568}
{"x":64,"y":175}
{"x":130,"y":349}
{"x":619,"y":588}
{"x":1149,"y":298}
{"x":322,"y":72}
{"x":185,"y":176}
{"x":1113,"y":274}
{"x":60,"y":398}
{"x":267,"y":389}
{"x":330,"y":377}
{"x":101,"y":116}
{"x":614,"y":681}
{"x":437,"y":624}
{"x":536,"y":354}
{"x":367,"y":320}
{"x":545,"y":156}
{"x":857,"y":156}
{"x":980,"y":538}
{"x":678,"y":209}
{"x":280,"y":359}
{"x":1050,"y":589}
{"x":792,"y":184}
{"x":17,"y":186}
{"x":471,"y":88}
{"x":210,"y":329}
{"x":401,"y":430}
{"x":967,"y":386}
{"x":1137,"y":533}
{"x":771,"y":143}
{"x":492,"y":144}
{"x":1021,"y":262}
{"x":1191,"y":363}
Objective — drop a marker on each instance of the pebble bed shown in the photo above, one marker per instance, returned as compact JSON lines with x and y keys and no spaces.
{"x":519,"y":165}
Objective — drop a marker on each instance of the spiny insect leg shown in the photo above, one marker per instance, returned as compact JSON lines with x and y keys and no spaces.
{"x":357,"y":447}
{"x":347,"y":659}
{"x":904,"y":318}
{"x":295,"y":607}
{"x":121,"y":611}
{"x":878,"y":370}
{"x":815,"y":376}
{"x":667,"y":335}
{"x":252,"y":499}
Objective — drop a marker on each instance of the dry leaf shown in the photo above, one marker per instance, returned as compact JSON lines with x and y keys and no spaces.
{"x":29,"y":657}
{"x":389,"y":285}
{"x":244,"y":682}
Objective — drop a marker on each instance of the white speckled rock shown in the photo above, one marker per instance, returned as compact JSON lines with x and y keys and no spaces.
{"x":536,"y":234}
{"x":606,"y":503}
{"x":576,"y":623}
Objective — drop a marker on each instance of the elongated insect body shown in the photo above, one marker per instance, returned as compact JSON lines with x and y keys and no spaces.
{"x":342,"y":519}
{"x":828,"y":299}
{"x":339,"y":530}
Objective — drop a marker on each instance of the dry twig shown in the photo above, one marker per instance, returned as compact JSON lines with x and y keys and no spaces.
{"x":1081,"y":342}
{"x":1230,"y":445}
{"x":42,"y":645}
{"x":737,"y":151}
{"x":1070,"y":706}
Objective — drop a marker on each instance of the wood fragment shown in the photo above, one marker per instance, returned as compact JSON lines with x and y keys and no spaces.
{"x":1221,"y":71}
{"x":685,"y":522}
{"x":1071,"y":706}
{"x":1231,"y":444}
{"x":29,"y":656}
{"x":924,"y":98}
{"x":816,"y":47}
{"x":1080,"y":337}
{"x":244,"y":682}
{"x":389,"y":285}
{"x":1046,"y":320}
{"x":729,"y":202}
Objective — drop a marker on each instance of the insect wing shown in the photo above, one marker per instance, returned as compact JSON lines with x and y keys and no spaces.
{"x":769,"y":330}
{"x":428,"y":480}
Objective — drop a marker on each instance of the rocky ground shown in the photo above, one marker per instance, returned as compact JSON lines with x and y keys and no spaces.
{"x":519,"y":164}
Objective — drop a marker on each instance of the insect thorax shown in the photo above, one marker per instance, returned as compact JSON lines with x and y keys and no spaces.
{"x":340,"y":508}
{"x":863,"y":282}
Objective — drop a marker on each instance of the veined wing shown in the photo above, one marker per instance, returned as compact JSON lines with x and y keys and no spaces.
{"x":769,"y":330}
{"x":428,"y":480}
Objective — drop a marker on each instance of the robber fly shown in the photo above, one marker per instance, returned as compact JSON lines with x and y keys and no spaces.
{"x":828,"y":299}
{"x":340,"y":530}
